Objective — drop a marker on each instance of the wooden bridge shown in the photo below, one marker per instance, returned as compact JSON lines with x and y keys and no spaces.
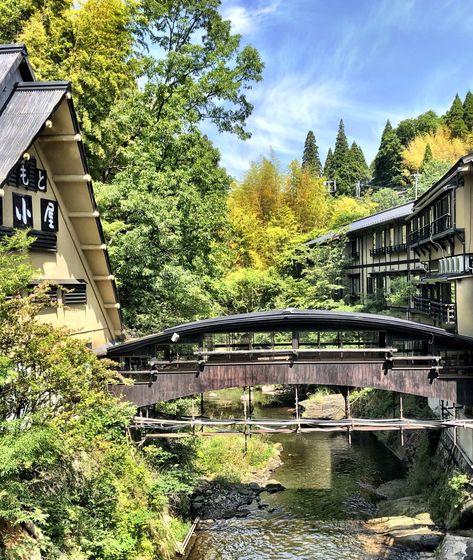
{"x":297,"y":347}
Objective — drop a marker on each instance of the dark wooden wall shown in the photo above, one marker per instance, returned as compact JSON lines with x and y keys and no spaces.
{"x":221,"y":376}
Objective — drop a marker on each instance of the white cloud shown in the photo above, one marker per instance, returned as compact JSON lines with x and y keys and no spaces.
{"x":247,"y":20}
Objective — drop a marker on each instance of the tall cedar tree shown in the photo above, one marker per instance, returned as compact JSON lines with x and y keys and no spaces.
{"x":341,"y":167}
{"x":328,"y":165}
{"x":360,"y":170}
{"x":388,"y":164}
{"x":468,"y":111}
{"x":454,"y":118}
{"x":310,"y":157}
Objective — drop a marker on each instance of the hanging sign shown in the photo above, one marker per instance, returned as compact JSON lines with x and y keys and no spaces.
{"x":27,"y":175}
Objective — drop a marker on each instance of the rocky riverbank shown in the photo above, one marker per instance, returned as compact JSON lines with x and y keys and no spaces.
{"x":218,"y":499}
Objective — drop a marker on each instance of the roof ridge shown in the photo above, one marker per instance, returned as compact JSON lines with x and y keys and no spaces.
{"x":14,"y":47}
{"x":31,"y":86}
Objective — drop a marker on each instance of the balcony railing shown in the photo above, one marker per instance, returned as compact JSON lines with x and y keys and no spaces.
{"x":387,"y":250}
{"x":436,"y":227}
{"x":437,"y":310}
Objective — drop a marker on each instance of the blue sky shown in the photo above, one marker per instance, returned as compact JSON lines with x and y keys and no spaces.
{"x":361,"y":60}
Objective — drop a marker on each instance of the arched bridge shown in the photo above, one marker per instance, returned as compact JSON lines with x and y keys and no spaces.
{"x":297,"y":347}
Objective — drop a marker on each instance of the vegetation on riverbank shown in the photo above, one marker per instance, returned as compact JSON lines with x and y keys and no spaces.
{"x":72,"y":484}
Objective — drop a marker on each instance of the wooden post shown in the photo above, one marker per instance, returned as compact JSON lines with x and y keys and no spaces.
{"x":245,"y":450}
{"x":202,"y":410}
{"x":454,"y":413}
{"x":346,"y":396}
{"x":401,"y":416}
{"x":295,"y":340}
{"x":297,"y":409}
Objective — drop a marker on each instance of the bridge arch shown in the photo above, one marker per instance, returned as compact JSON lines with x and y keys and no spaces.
{"x":297,"y":347}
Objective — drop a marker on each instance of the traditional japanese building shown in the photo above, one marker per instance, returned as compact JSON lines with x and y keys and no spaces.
{"x":46,"y":188}
{"x":429,"y":242}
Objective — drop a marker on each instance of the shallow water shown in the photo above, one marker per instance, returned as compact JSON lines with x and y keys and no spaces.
{"x":318,"y":515}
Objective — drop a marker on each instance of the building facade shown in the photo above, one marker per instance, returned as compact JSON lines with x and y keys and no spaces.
{"x":428,"y":242}
{"x":46,"y":188}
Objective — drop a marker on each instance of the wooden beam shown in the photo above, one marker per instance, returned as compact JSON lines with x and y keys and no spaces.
{"x":101,"y":247}
{"x":94,"y":214}
{"x":61,"y":138}
{"x":72,"y":178}
{"x":104,"y":278}
{"x":112,"y":305}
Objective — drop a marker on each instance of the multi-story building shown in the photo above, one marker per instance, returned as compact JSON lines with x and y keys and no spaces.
{"x":428,"y":242}
{"x":46,"y":189}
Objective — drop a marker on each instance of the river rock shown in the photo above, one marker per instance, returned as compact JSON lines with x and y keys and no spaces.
{"x":417,"y":533}
{"x":456,"y":548}
{"x":393,"y":489}
{"x":409,"y":506}
{"x":274,"y":487}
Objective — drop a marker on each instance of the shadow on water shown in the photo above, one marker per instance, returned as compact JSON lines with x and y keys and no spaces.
{"x":318,"y":515}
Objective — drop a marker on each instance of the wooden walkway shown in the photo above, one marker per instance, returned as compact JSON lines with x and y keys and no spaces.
{"x":188,"y":427}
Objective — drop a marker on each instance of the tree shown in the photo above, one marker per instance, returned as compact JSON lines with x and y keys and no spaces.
{"x":468,"y":111}
{"x":444,"y":147}
{"x":328,"y":165}
{"x":426,"y":123}
{"x":454,"y":118}
{"x":341,"y":168}
{"x":428,"y":156}
{"x":359,"y":168}
{"x":307,"y":197}
{"x":387,"y":198}
{"x":431,"y":172}
{"x":310,"y":157}
{"x":388,"y":163}
{"x":72,"y":485}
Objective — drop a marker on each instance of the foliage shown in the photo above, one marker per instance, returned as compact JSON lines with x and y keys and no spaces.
{"x":386,"y":198}
{"x":341,"y":164}
{"x":444,"y":147}
{"x":400,"y":292}
{"x":345,"y":210}
{"x":408,"y":129}
{"x":223,"y":457}
{"x":328,"y":164}
{"x":388,"y":164}
{"x":432,"y":171}
{"x":359,"y":168}
{"x":310,"y":158}
{"x":454,"y":118}
{"x":468,"y":111}
{"x":71,"y":484}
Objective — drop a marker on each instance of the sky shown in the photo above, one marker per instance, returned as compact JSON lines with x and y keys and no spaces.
{"x":364,"y":61}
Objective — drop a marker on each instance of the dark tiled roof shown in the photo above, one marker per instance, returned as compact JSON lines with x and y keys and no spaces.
{"x":288,"y":319}
{"x":396,"y":213}
{"x":30,"y":105}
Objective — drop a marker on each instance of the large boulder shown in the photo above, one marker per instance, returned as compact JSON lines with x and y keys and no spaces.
{"x":417,"y":533}
{"x":456,"y":548}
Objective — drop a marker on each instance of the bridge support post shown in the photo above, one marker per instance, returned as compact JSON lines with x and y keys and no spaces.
{"x":202,"y":410}
{"x":297,"y":408}
{"x":454,"y":414}
{"x":401,"y":416}
{"x":346,"y":396}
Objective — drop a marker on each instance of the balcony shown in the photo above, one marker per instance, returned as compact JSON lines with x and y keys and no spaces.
{"x":388,"y":250}
{"x":440,"y":227}
{"x":441,"y":312}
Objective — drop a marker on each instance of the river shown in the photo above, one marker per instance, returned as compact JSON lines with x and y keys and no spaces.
{"x":318,"y":515}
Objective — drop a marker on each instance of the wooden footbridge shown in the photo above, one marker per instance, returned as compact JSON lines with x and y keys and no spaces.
{"x":293,"y":347}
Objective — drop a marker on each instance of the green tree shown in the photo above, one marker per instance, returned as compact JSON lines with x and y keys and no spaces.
{"x":387,"y":198}
{"x":359,"y":168}
{"x":426,"y":123}
{"x":341,"y":168}
{"x":328,"y":166}
{"x":468,"y":111}
{"x":428,"y":156}
{"x":71,"y":484}
{"x":455,"y":118}
{"x":388,"y":163}
{"x":431,"y":172}
{"x":310,"y":157}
